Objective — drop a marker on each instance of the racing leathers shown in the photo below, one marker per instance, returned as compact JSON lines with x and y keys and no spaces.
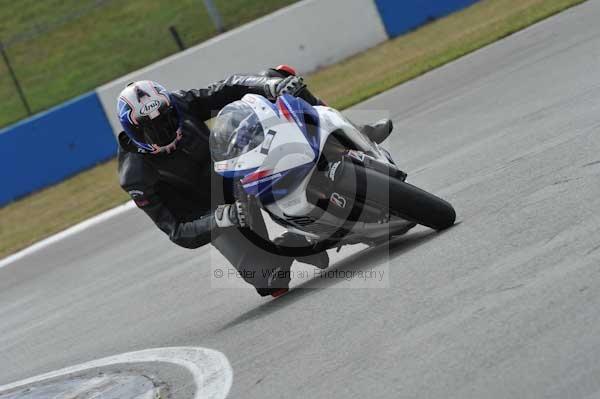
{"x":179,"y":190}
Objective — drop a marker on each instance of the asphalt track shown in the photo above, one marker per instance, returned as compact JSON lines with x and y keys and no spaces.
{"x":504,"y":305}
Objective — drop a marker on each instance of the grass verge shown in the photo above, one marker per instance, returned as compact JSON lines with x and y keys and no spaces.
{"x":408,"y":56}
{"x":62,"y":48}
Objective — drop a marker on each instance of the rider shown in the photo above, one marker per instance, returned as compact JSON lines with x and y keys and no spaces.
{"x":165,"y":166}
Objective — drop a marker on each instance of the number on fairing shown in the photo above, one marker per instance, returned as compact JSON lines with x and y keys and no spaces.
{"x":267,"y":143}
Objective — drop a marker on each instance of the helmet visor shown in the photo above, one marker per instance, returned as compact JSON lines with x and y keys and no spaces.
{"x":161,"y":130}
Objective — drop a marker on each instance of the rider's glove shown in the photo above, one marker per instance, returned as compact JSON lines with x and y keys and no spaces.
{"x":231,"y":215}
{"x":291,"y":85}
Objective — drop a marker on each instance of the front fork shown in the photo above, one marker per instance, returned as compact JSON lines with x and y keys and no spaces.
{"x":341,"y":188}
{"x":368,"y":162}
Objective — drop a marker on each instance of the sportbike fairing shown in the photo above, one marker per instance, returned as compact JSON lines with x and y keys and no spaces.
{"x":272,"y":148}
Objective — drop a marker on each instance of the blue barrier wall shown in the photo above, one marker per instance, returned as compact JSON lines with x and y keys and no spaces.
{"x":54,"y":145}
{"x":76,"y":135}
{"x":400,"y":16}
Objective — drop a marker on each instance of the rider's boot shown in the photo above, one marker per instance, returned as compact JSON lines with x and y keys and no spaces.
{"x":276,"y":281}
{"x":319,"y":259}
{"x":379,"y":131}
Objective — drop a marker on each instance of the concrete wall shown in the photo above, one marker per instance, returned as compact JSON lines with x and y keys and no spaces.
{"x":52,"y":146}
{"x":306,"y":35}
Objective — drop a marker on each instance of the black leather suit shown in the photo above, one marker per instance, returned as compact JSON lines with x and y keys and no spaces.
{"x":177,"y":190}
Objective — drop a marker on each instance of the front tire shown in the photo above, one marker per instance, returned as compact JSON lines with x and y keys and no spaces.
{"x":402,"y":199}
{"x":419,"y":206}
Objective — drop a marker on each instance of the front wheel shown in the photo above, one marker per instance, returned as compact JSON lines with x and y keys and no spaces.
{"x":419,"y":206}
{"x":402,"y":199}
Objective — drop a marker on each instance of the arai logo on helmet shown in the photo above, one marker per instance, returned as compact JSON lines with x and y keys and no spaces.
{"x":149,"y":107}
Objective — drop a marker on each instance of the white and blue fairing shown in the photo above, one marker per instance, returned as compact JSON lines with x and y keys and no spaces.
{"x":287,"y":155}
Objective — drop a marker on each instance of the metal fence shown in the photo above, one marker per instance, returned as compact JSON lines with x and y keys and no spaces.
{"x":53,"y":50}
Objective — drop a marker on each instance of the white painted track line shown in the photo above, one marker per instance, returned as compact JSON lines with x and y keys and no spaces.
{"x":210,"y":369}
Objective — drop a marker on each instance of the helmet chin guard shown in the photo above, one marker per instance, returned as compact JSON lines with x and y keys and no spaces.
{"x":148,"y":116}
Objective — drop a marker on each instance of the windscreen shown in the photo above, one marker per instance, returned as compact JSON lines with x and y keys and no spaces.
{"x":236,"y":131}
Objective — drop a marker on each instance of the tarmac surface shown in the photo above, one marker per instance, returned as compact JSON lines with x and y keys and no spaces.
{"x":506,"y":304}
{"x":111,"y":386}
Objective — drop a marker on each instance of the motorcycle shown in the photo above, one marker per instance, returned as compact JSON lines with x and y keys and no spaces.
{"x":316,"y":175}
